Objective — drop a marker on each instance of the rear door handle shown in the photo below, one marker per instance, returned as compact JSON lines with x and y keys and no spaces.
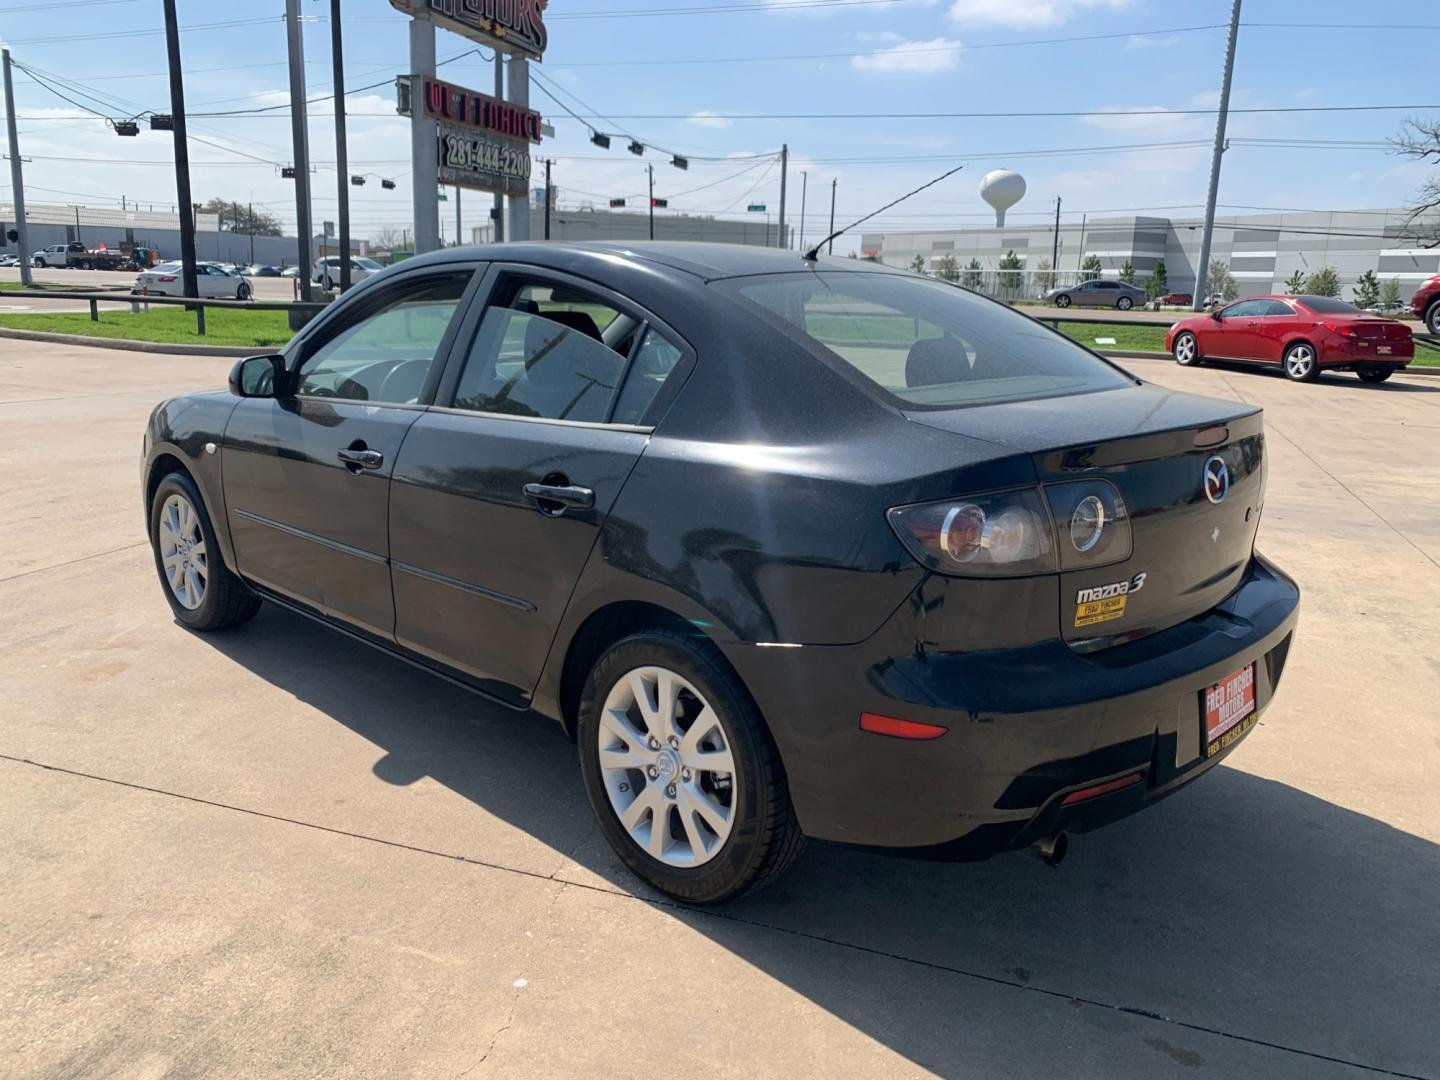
{"x":364,"y":459}
{"x":569,"y":496}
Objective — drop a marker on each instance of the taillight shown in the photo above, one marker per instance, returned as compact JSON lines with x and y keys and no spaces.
{"x":1004,"y":534}
{"x":167,"y":279}
{"x":1010,"y":534}
{"x":1343,"y":329}
{"x":877,"y":724}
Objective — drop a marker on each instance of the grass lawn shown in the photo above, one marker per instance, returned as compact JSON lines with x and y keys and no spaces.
{"x":45,"y":286}
{"x":175,"y":325}
{"x":1127,"y":337}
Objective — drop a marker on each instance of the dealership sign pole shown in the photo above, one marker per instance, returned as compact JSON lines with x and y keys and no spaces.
{"x":461,"y":136}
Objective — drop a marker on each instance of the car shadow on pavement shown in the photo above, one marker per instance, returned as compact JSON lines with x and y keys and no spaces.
{"x":1331,"y":378}
{"x":1241,"y":908}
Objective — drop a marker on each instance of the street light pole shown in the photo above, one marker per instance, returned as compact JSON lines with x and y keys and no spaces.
{"x":182,"y":158}
{"x":830,"y":249}
{"x":651,"y":170}
{"x":301,"y":140}
{"x":784,"y":171}
{"x":342,"y":164}
{"x":1198,"y":300}
{"x":804,"y":184}
{"x":548,"y":163}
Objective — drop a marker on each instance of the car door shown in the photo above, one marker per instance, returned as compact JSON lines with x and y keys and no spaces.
{"x":307,"y":475}
{"x":1235,"y":333}
{"x":1274,"y":324}
{"x":503,"y":486}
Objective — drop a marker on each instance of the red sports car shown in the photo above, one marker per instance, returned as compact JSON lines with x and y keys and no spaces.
{"x":1303,"y":334}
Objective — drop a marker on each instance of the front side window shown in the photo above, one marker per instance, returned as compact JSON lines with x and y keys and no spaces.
{"x":387,"y":354}
{"x":547,"y":351}
{"x":923,"y":342}
{"x":1246,"y":309}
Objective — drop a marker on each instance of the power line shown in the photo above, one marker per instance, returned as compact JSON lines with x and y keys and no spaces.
{"x":1012,"y":114}
{"x":139,"y":33}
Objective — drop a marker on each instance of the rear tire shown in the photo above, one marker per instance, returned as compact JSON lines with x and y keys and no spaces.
{"x":1124,"y":304}
{"x":1062,"y":301}
{"x":652,"y":774}
{"x":1300,"y":363}
{"x":1186,"y":350}
{"x":1375,"y":374}
{"x":201,"y":590}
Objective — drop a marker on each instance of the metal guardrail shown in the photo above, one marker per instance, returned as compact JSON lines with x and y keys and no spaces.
{"x":197,"y":305}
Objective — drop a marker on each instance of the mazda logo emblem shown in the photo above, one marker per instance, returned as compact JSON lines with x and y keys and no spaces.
{"x":1216,"y":478}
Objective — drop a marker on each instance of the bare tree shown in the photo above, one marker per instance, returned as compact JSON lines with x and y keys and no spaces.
{"x":1420,"y":139}
{"x":387,"y":238}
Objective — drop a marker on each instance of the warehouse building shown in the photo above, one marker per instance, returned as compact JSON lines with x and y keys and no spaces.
{"x":575,"y":225}
{"x":1263,"y":251}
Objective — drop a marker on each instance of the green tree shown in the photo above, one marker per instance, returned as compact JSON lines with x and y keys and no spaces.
{"x":240,"y":218}
{"x":1390,"y":294}
{"x":1127,"y":273}
{"x":972,"y":278}
{"x":918,"y":263}
{"x":1091,"y":268}
{"x":1011,"y":279}
{"x":1295,"y":283}
{"x":1044,"y":277}
{"x":1367,"y":290}
{"x":1158,"y":285}
{"x":1324,"y":282}
{"x":946,"y":269}
{"x":1218,"y":279}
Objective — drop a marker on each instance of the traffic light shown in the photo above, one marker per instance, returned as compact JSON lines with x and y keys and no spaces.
{"x":162,"y":122}
{"x":637,"y":148}
{"x":679,"y":162}
{"x":126,"y":127}
{"x":661,"y":204}
{"x":602,"y":141}
{"x":287,"y":172}
{"x":357,"y":181}
{"x":616,"y":202}
{"x":388,"y":185}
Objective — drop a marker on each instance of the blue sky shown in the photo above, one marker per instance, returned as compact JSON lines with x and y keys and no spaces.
{"x":902,"y":56}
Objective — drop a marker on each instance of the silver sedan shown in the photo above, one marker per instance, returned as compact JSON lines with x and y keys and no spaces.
{"x":1111,"y":294}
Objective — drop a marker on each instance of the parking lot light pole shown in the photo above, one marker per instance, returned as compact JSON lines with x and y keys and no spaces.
{"x":17,"y":180}
{"x":183,"y":206}
{"x":1197,"y":302}
{"x":301,"y":139}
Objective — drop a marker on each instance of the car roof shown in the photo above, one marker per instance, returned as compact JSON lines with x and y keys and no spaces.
{"x":710,"y":261}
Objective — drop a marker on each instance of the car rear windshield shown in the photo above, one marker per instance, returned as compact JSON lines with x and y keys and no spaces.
{"x":1324,"y":305}
{"x":925,"y":343}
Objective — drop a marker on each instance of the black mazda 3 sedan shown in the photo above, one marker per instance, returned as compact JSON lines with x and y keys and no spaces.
{"x":789,"y":548}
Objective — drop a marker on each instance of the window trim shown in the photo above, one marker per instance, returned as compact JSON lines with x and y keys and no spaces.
{"x":336,"y":319}
{"x":468,"y":330}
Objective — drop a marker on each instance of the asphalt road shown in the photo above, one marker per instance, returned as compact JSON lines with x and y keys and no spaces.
{"x":264,"y":288}
{"x":274,"y":852}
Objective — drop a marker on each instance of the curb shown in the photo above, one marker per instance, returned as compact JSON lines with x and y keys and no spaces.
{"x":1411,"y":370}
{"x":134,"y":346}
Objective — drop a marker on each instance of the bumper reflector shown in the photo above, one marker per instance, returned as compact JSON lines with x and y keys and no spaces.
{"x":1096,"y":790}
{"x":899,"y":729}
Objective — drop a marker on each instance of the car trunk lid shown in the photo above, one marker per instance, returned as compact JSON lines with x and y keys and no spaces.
{"x":1154,"y":446}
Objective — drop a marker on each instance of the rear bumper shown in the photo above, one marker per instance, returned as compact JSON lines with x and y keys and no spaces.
{"x":1027,"y":726}
{"x":1336,"y":351}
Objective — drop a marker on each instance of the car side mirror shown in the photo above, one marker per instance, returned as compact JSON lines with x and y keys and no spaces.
{"x":1215,"y":315}
{"x":259,"y":377}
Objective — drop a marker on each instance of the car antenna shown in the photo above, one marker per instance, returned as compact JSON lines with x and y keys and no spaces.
{"x":814,"y":252}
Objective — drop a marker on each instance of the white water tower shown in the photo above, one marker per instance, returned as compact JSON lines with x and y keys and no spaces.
{"x":1002,"y":189}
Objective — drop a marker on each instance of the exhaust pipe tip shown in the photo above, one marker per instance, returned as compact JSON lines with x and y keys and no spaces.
{"x":1051,"y":850}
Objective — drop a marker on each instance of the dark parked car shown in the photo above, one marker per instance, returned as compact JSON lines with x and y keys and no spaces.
{"x":1302,"y":334}
{"x":259,"y":270}
{"x":1111,"y":294}
{"x":790,"y":549}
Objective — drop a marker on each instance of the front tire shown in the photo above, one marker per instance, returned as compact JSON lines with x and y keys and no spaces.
{"x":1186,"y":350}
{"x":680,"y":770}
{"x":1062,"y":301}
{"x":1124,"y":304}
{"x":1432,"y":318}
{"x":1300,"y":363}
{"x":201,"y":590}
{"x":243,"y":292}
{"x":1375,"y":374}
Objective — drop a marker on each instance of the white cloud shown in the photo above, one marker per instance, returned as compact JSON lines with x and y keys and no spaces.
{"x":1028,"y":14}
{"x":912,"y":57}
{"x":707,"y":119}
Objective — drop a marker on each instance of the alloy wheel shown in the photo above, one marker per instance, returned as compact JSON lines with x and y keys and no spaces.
{"x":182,"y":552}
{"x":1185,"y":349}
{"x":1299,"y":362}
{"x":1124,"y":303}
{"x":667,"y":767}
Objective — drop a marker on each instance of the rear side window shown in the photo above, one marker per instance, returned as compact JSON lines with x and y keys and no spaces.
{"x":925,"y":343}
{"x":1324,"y":305}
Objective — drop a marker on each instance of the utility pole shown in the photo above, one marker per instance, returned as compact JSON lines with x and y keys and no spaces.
{"x":300,"y":137}
{"x":1055,"y":245}
{"x":17,"y":179}
{"x":784,"y":169}
{"x":182,"y":161}
{"x":651,"y":170}
{"x":804,"y":184}
{"x":548,"y":163}
{"x":499,"y":230}
{"x":830,"y":249}
{"x":1080,"y":254}
{"x":342,"y":163}
{"x":1198,"y":300}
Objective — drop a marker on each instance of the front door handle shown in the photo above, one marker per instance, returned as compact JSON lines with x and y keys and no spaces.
{"x":363,"y":459}
{"x":564,"y":496}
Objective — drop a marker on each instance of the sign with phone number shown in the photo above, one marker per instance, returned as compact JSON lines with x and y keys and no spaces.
{"x":470,"y":159}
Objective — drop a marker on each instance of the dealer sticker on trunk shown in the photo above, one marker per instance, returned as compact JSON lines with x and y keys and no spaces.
{"x":1102,"y":603}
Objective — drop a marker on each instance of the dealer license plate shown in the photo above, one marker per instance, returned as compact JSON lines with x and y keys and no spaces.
{"x":1229,"y":709}
{"x":1383,"y":350}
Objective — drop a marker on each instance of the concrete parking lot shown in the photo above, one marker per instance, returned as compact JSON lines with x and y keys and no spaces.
{"x":274,"y":852}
